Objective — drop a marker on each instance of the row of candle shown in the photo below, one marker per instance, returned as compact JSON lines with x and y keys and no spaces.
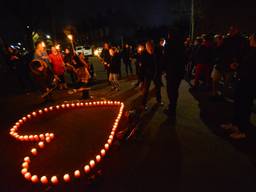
{"x":47,"y":137}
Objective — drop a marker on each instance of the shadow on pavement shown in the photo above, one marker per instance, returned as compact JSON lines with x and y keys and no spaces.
{"x":213,"y":114}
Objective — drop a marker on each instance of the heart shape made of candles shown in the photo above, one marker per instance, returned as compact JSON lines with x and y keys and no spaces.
{"x":43,"y":138}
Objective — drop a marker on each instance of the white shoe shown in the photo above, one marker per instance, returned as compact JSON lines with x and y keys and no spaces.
{"x":238,"y":135}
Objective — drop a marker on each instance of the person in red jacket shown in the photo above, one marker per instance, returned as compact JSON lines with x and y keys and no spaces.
{"x":58,"y":66}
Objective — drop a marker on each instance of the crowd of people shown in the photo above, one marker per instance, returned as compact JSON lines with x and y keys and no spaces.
{"x":209,"y":63}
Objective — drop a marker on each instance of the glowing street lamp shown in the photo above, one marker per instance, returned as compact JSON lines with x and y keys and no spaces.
{"x":48,"y":36}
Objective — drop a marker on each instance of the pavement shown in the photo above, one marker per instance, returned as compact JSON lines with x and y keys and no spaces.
{"x":193,"y":154}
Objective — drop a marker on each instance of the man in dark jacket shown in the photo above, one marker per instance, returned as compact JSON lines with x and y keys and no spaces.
{"x":174,"y":68}
{"x":150,"y":70}
{"x":105,"y":58}
{"x":245,"y":92}
{"x":127,"y":59}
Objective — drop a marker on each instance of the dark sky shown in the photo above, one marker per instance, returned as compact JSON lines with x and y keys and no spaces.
{"x":14,"y":14}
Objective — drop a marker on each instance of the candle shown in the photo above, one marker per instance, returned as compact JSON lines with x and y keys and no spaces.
{"x":41,"y":144}
{"x":31,"y":137}
{"x":106,"y":146}
{"x":34,"y":179}
{"x":36,"y":138}
{"x":25,"y":164}
{"x":66,"y":178}
{"x":77,"y":173}
{"x":98,"y":158}
{"x":41,"y":136}
{"x":27,"y":176}
{"x":34,"y":151}
{"x":24,"y":171}
{"x":103,"y":152}
{"x":54,"y":180}
{"x":92,"y":163}
{"x":51,"y":135}
{"x":109,"y":141}
{"x":87,"y":168}
{"x":26,"y":137}
{"x":44,"y":180}
{"x":27,"y":159}
{"x":48,"y":139}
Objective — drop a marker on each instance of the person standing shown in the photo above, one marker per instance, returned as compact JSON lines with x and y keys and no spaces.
{"x":175,"y":69}
{"x":127,"y":59}
{"x":114,"y":69}
{"x":58,"y":66}
{"x":204,"y":59}
{"x":105,"y":58}
{"x":150,"y":70}
{"x":244,"y":93}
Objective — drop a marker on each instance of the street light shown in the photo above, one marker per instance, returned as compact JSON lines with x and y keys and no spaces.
{"x":48,"y":36}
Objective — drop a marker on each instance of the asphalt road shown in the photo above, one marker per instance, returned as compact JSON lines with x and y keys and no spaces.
{"x":194,"y":154}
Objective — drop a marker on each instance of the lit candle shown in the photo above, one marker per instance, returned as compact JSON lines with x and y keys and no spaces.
{"x":109,"y":141}
{"x":51,"y":135}
{"x":27,"y":176}
{"x":34,"y":114}
{"x":98,"y":158}
{"x":25,"y":164}
{"x":51,"y":108}
{"x":40,"y":111}
{"x":36,"y":138}
{"x":103,"y":152}
{"x":92,"y":163}
{"x":57,"y":107}
{"x":41,"y":136}
{"x":46,"y":109}
{"x":31,"y":137}
{"x":41,"y":144}
{"x":106,"y":146}
{"x":47,"y":134}
{"x":21,"y":138}
{"x":27,"y":159}
{"x":34,"y":151}
{"x":34,"y":179}
{"x":77,"y":173}
{"x":44,"y":180}
{"x":48,"y":139}
{"x":87,"y":168}
{"x":29,"y":116}
{"x":67,"y":105}
{"x":54,"y":180}
{"x":24,"y":171}
{"x":66,"y":178}
{"x":26,"y":137}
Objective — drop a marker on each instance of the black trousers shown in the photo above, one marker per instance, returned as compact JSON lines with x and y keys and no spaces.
{"x":244,"y":95}
{"x":147,"y":83}
{"x":128,"y":66}
{"x":172,"y":84}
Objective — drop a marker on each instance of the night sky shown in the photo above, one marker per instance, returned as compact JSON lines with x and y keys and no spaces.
{"x":16,"y":13}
